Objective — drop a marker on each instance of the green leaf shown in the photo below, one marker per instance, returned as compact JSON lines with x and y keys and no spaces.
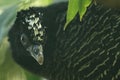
{"x":73,"y":8}
{"x":83,"y":4}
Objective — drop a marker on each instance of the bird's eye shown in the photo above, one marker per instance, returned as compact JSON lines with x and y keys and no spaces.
{"x":24,"y":40}
{"x":36,"y":50}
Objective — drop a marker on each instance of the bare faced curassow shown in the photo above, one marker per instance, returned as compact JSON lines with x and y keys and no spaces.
{"x":85,"y":50}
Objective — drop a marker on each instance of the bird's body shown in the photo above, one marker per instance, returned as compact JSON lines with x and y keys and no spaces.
{"x":87,"y":50}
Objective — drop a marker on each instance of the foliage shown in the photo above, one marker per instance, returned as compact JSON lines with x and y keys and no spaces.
{"x":74,"y":7}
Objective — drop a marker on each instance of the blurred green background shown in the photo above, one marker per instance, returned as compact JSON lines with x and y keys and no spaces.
{"x":9,"y":70}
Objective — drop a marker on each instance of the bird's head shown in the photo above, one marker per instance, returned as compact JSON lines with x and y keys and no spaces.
{"x":32,"y":44}
{"x":33,"y":36}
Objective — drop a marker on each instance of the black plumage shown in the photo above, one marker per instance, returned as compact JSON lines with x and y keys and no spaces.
{"x":87,"y":50}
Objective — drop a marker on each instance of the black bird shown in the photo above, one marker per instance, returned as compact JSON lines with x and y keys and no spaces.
{"x":87,"y":50}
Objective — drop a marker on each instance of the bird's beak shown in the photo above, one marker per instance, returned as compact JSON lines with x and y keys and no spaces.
{"x":36,"y":52}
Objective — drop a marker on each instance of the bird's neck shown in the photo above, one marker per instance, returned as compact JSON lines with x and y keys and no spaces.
{"x":53,"y":29}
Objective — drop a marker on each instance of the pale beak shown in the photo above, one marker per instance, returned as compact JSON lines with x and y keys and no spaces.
{"x":36,"y":52}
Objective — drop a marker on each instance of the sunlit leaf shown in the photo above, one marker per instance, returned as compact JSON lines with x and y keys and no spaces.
{"x":73,"y":8}
{"x":83,"y":4}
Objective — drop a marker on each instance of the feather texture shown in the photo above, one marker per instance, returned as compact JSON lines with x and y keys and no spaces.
{"x":87,"y":50}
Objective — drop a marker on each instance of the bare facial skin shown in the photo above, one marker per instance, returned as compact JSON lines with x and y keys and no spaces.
{"x":108,"y":3}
